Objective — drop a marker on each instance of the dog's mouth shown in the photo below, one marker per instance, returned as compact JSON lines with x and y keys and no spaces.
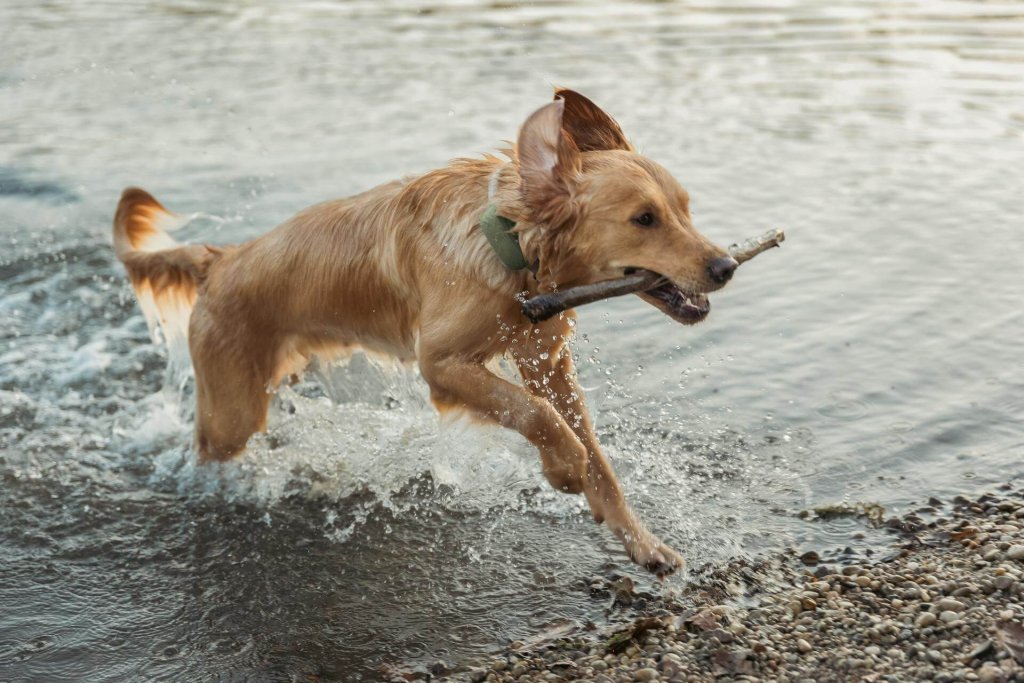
{"x":682,"y":306}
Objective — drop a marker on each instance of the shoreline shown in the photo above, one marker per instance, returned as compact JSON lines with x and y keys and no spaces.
{"x":946,"y":605}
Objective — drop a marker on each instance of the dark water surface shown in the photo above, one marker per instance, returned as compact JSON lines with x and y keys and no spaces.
{"x":877,"y":357}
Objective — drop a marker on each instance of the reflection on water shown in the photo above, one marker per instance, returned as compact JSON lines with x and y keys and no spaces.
{"x":874,"y":358}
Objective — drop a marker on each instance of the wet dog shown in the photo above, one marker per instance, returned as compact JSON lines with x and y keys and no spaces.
{"x":431,"y":270}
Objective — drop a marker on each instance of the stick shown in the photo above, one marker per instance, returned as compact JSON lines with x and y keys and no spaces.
{"x":544,"y":306}
{"x":748,"y":249}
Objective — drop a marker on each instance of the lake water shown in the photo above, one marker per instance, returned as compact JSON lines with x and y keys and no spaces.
{"x":876,"y":357}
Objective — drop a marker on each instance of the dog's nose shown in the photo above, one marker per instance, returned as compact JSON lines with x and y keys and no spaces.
{"x":721,"y":269}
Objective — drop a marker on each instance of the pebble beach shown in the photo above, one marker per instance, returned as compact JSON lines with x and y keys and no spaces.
{"x":944,"y":605}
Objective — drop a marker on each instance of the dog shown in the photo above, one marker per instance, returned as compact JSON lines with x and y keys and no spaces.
{"x":408,"y":269}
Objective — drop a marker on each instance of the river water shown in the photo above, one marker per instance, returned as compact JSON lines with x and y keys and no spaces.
{"x":876,"y":357}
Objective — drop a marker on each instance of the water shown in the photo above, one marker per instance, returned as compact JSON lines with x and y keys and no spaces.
{"x":875,"y":358}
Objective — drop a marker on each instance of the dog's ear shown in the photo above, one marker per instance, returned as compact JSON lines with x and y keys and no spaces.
{"x":549,"y":164}
{"x":588,"y":125}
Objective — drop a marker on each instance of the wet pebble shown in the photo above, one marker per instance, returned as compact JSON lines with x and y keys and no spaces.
{"x":950,"y":605}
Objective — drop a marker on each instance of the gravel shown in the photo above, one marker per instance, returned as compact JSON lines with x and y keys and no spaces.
{"x":946,"y":605}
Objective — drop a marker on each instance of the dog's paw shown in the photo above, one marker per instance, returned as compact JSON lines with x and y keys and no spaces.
{"x":650,"y":553}
{"x":661,"y":560}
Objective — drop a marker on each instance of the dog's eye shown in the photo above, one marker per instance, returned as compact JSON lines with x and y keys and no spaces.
{"x":645,"y":220}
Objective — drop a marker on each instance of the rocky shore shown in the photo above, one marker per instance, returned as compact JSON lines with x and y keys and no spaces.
{"x":945,"y":605}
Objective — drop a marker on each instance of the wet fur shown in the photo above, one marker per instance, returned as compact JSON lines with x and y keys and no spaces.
{"x":404,"y":270}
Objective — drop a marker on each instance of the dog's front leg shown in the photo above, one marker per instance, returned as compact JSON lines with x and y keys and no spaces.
{"x":548,"y":372}
{"x":459,"y":383}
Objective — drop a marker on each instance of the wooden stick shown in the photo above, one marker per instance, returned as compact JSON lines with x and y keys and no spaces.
{"x":545,"y":306}
{"x":748,"y":249}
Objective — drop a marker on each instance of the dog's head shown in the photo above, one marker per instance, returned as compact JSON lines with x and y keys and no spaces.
{"x":605,"y":210}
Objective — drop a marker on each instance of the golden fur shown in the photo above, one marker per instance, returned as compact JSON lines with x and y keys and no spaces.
{"x":403,"y":269}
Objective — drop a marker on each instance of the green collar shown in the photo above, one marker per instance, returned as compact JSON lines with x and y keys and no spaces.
{"x":504,"y":242}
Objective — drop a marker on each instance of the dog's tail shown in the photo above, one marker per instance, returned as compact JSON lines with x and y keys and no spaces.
{"x":166,"y":276}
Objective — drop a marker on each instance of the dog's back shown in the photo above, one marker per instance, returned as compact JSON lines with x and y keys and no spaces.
{"x":344,"y":274}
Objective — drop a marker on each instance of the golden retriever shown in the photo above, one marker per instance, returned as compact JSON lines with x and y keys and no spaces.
{"x":404,"y":269}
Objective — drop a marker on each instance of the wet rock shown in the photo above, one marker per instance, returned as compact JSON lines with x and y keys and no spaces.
{"x":1015,"y":552}
{"x":990,"y":673}
{"x":950,"y":605}
{"x":810,"y":558}
{"x":724,"y":637}
{"x":981,"y":651}
{"x":623,"y":591}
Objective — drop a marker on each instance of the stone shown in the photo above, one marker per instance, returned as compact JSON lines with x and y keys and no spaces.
{"x":803,"y":645}
{"x":645,"y":674}
{"x":950,"y":605}
{"x":1003,"y":582}
{"x":1015,"y":552}
{"x":990,"y":673}
{"x":669,"y":667}
{"x":982,"y":650}
{"x":810,"y":558}
{"x":925,"y":620}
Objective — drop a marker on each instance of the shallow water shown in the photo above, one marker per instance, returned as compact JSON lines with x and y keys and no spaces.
{"x":876,"y":357}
